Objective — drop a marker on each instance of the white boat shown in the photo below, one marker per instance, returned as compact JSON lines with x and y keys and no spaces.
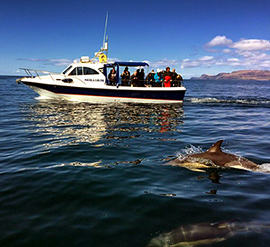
{"x":87,"y":80}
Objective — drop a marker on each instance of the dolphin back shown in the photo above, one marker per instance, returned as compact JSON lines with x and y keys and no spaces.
{"x":215,"y":147}
{"x":203,"y":233}
{"x":214,"y":157}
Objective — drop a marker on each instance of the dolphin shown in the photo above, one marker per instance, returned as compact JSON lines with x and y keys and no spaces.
{"x":214,"y":157}
{"x":204,"y":233}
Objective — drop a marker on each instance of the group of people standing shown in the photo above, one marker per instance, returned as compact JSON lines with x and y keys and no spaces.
{"x":165,"y":78}
{"x":160,"y":78}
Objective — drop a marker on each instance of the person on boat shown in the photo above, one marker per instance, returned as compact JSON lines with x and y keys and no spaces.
{"x":112,"y":77}
{"x":174,"y":76}
{"x":179,"y":79}
{"x":158,"y":78}
{"x":150,"y":78}
{"x":176,"y":79}
{"x":135,"y":79}
{"x":141,"y":76}
{"x":167,"y":77}
{"x":125,"y":77}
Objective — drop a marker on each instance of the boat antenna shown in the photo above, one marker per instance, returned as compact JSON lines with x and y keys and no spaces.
{"x":104,"y":48}
{"x":105,"y":29}
{"x":105,"y":37}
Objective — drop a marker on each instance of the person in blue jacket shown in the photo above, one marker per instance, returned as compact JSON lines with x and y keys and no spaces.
{"x":158,"y":78}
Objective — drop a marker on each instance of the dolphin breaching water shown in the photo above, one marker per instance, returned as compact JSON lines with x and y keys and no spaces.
{"x":214,"y":157}
{"x":204,"y":233}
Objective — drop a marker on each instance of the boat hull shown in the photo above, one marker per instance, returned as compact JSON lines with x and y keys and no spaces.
{"x":109,"y":93}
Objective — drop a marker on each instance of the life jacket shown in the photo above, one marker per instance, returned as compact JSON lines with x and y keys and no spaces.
{"x":167,"y":81}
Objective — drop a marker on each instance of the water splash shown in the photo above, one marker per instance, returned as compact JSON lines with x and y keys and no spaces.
{"x":42,"y":98}
{"x":230,"y":101}
{"x":265,"y":168}
{"x":188,"y":150}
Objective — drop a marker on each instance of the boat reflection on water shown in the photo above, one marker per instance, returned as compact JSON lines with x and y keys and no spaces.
{"x":70,"y":123}
{"x":67,"y":123}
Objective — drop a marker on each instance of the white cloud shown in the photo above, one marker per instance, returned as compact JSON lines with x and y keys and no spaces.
{"x":266,"y":64}
{"x":244,"y":60}
{"x":242,"y":45}
{"x":219,"y":41}
{"x":163,"y":63}
{"x":60,"y":62}
{"x":232,"y":59}
{"x":233,"y":62}
{"x":244,"y":54}
{"x":54,"y":62}
{"x":190,"y":64}
{"x":252,"y":45}
{"x":227,"y":51}
{"x":205,"y":61}
{"x":206,"y":58}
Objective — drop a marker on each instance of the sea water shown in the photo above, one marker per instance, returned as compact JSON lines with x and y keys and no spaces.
{"x":82,"y":174}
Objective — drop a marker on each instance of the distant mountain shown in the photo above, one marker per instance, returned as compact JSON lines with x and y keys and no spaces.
{"x":259,"y":75}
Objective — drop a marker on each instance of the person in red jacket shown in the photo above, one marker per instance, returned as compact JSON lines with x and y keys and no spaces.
{"x":167,"y":77}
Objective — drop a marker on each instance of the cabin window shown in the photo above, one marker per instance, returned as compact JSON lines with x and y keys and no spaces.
{"x":89,"y":71}
{"x":67,"y":69}
{"x":101,"y":70}
{"x":83,"y":71}
{"x":73,"y":72}
{"x":79,"y":71}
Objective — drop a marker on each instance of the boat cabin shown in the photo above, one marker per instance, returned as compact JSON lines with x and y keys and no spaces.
{"x":98,"y":72}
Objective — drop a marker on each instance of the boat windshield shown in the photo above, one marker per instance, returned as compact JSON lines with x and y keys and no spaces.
{"x":67,"y":69}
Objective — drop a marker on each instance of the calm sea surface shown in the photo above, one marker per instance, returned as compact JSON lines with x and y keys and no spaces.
{"x":81,"y":174}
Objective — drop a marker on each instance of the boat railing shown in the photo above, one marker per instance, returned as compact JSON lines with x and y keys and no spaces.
{"x":146,"y":83}
{"x":32,"y":73}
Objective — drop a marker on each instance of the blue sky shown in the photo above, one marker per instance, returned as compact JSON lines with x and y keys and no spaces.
{"x":194,"y":36}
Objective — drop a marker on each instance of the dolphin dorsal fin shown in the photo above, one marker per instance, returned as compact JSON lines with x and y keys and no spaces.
{"x":215,"y":147}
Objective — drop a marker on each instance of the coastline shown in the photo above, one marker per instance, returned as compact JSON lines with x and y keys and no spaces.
{"x":245,"y":75}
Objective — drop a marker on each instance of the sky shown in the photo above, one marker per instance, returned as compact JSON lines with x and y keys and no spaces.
{"x":194,"y":36}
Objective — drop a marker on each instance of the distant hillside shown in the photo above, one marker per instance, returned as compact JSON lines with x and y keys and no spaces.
{"x":259,"y":75}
